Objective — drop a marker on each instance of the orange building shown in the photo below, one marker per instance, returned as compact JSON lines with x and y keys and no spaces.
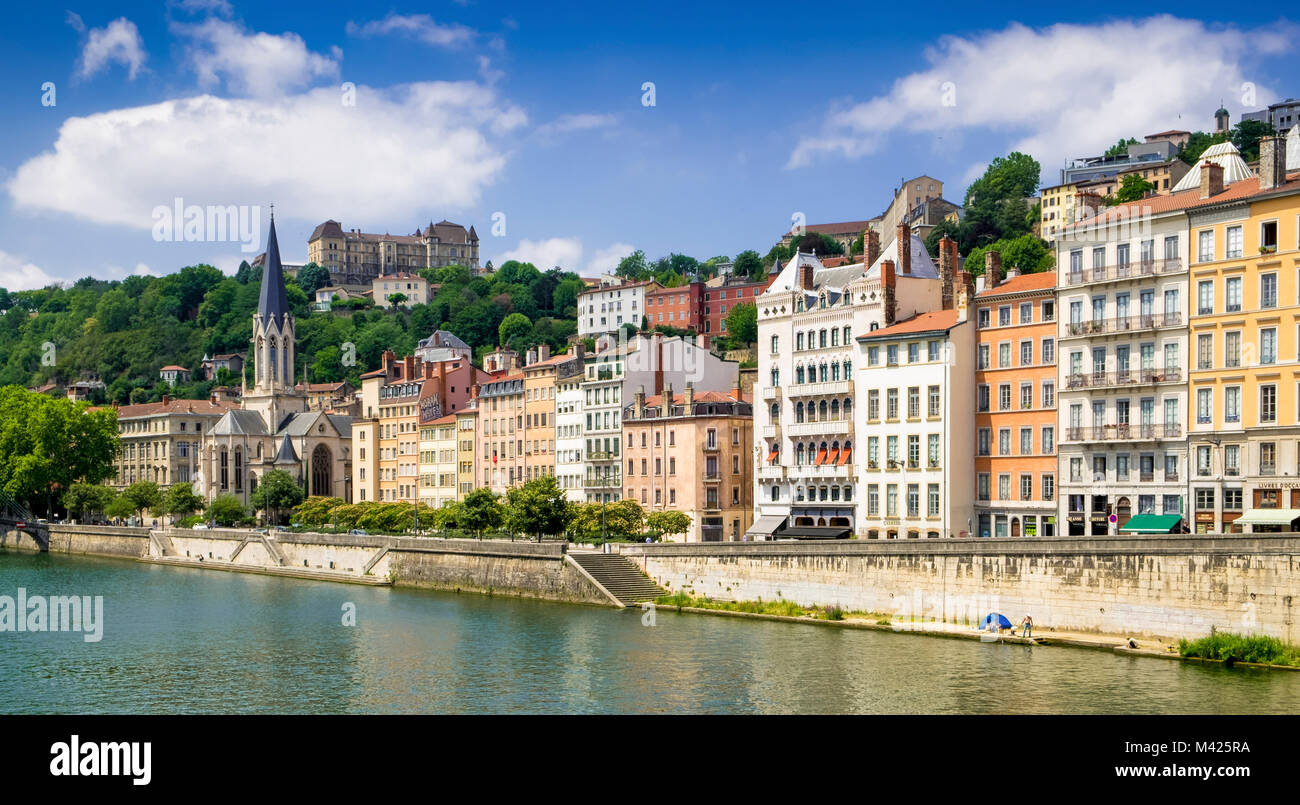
{"x":541,"y":371}
{"x":1015,"y":404}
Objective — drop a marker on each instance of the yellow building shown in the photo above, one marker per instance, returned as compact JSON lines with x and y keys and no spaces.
{"x":1244,"y":428}
{"x":466,"y":422}
{"x":438,"y":461}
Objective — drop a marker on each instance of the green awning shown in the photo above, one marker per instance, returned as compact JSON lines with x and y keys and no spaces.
{"x":1152,"y":524}
{"x":1268,"y":516}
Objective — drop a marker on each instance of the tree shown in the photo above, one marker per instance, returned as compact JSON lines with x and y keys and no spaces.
{"x":538,"y":507}
{"x":83,"y":498}
{"x":513,"y":326}
{"x":1131,"y":188}
{"x":226,"y":510}
{"x":119,"y":508}
{"x":667,"y":522}
{"x":622,"y":518}
{"x":634,"y":267}
{"x":276,"y":491}
{"x":479,"y":511}
{"x":48,"y":443}
{"x":749,"y":264}
{"x":1120,"y":148}
{"x":742,"y":323}
{"x":180,"y":500}
{"x":1196,"y":144}
{"x":143,"y":495}
{"x":313,"y":277}
{"x":397,"y":299}
{"x":1246,"y":136}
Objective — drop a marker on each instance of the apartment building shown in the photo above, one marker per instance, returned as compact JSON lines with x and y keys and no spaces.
{"x":616,"y":301}
{"x":722,"y":294}
{"x":1015,"y":403}
{"x":806,"y":392}
{"x":681,"y":307}
{"x":161,"y":442}
{"x":438,"y":461}
{"x":542,"y":374}
{"x":1121,"y":379}
{"x":692,"y":454}
{"x":913,"y":479}
{"x":412,"y":286}
{"x":466,"y":449}
{"x":1244,"y":426}
{"x":502,"y":432}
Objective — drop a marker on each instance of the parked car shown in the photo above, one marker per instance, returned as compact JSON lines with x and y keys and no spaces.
{"x":200,"y":527}
{"x":281,"y":528}
{"x":360,"y":532}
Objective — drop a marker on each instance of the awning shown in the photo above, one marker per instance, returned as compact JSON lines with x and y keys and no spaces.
{"x":817,"y":532}
{"x":834,"y":454}
{"x":776,"y":451}
{"x":765,"y":525}
{"x":1152,"y":524}
{"x":1268,"y":517}
{"x":821,"y":457}
{"x":845,"y":455}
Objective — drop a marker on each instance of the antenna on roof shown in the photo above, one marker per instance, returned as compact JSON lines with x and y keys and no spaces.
{"x":272,"y":211}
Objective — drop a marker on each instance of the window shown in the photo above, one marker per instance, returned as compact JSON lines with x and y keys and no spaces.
{"x":914,"y":352}
{"x":1026,"y":396}
{"x":1233,"y":248}
{"x":1205,"y":297}
{"x":933,"y":448}
{"x":984,"y":441}
{"x":982,"y":486}
{"x":932,"y":500}
{"x":1232,"y":404}
{"x":873,"y":404}
{"x":1204,"y":406}
{"x":982,"y":398}
{"x":1026,"y":353}
{"x":1004,"y":441}
{"x":933,"y":409}
{"x":1205,"y":351}
{"x":1026,"y":441}
{"x":1268,"y":345}
{"x":983,"y":356}
{"x":1268,"y":290}
{"x":1049,"y":350}
{"x":1049,"y":394}
{"x":1268,"y":403}
{"x":913,"y":402}
{"x":1026,"y":312}
{"x":1049,"y":440}
{"x":983,"y":318}
{"x":1267,"y":458}
{"x":1049,"y":487}
{"x":1232,"y":349}
{"x":891,"y":404}
{"x":1268,"y":236}
{"x":1232,"y":294}
{"x":1205,"y":245}
{"x":932,"y":350}
{"x":1026,"y":487}
{"x":1004,"y":397}
{"x":1004,"y":316}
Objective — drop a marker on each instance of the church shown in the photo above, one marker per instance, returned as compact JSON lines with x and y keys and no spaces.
{"x":274,"y":428}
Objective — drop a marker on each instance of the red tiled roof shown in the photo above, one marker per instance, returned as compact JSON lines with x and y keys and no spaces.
{"x":1042,"y":280}
{"x":700,"y":396}
{"x":1185,"y":200}
{"x":174,"y":368}
{"x":206,"y":407}
{"x":842,"y":228}
{"x":921,"y":323}
{"x":447,"y":420}
{"x":1167,"y":133}
{"x":834,"y":262}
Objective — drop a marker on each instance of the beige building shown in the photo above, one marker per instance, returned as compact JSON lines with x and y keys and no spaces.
{"x":161,"y":442}
{"x":414,"y":287}
{"x":691,"y":454}
{"x":466,"y":424}
{"x":354,"y":257}
{"x":540,"y":374}
{"x":438,"y":461}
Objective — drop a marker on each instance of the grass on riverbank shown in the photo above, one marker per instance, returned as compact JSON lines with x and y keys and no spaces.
{"x":1231,"y":648}
{"x":761,"y":607}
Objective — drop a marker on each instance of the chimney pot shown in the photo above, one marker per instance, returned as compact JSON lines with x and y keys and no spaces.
{"x":1212,"y":179}
{"x":887,"y":282}
{"x":904,"y":249}
{"x":992,"y":269}
{"x":871,"y":241}
{"x":1272,"y":162}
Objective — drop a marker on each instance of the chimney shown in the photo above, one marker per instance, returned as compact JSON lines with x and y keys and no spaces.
{"x":1272,"y":162}
{"x":805,"y":276}
{"x":946,"y":272}
{"x":408,"y":368}
{"x":580,"y":349}
{"x":530,"y":357}
{"x":668,"y":400}
{"x":905,"y":250}
{"x":871,"y":246}
{"x":964,"y":295}
{"x":639,"y":404}
{"x":979,"y":284}
{"x":688,"y":398}
{"x":1212,"y":179}
{"x":1086,"y":205}
{"x":992,"y":269}
{"x":167,"y":398}
{"x":887,"y":291}
{"x":544,"y":352}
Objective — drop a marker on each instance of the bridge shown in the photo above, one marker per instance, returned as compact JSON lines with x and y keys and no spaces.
{"x":15,"y":518}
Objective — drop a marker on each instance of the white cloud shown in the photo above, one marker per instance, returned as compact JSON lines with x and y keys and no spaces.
{"x":606,"y":260}
{"x":253,"y":62}
{"x":579,"y":122}
{"x":420,"y":27}
{"x":211,"y":6}
{"x":119,"y":42}
{"x":1064,"y":91}
{"x":378,"y":164}
{"x":17,"y":274}
{"x":562,"y":252}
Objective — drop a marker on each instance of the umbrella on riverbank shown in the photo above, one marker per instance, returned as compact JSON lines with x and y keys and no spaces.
{"x":995,"y":617}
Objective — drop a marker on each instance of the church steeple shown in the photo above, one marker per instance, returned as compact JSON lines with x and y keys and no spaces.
{"x":274,"y":302}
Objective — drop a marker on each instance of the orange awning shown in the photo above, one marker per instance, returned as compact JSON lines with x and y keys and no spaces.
{"x":821,"y":457}
{"x":834,"y":454}
{"x":772,"y":455}
{"x":845,"y":455}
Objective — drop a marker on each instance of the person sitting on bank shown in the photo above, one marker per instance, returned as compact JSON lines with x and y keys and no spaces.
{"x":1027,"y":626}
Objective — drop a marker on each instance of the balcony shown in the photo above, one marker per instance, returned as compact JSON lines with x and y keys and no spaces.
{"x":772,"y":393}
{"x":1143,"y":268}
{"x":772,"y":472}
{"x":1171,"y":477}
{"x":830,"y":426}
{"x":1123,"y":324}
{"x":597,"y":455}
{"x":833,"y":387}
{"x":709,"y":447}
{"x":820,"y":471}
{"x":612,"y":481}
{"x":771,"y":431}
{"x":712,"y":477}
{"x":1124,"y":377}
{"x":1125,"y":432}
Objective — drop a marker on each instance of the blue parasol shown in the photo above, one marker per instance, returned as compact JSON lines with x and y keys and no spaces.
{"x":995,"y":617}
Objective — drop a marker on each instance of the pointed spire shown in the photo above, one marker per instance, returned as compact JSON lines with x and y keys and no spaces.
{"x":273,"y":305}
{"x":286,"y":454}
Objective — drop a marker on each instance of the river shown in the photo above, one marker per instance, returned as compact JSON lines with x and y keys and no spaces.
{"x":179,"y":640}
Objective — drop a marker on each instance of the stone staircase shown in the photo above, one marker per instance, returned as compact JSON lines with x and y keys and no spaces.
{"x":620,"y":577}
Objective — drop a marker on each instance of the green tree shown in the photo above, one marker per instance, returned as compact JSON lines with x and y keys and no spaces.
{"x":277,"y":491}
{"x":119,"y":508}
{"x":1247,"y":134}
{"x":397,"y":299}
{"x":1120,"y":148}
{"x":48,"y":443}
{"x":312,"y":277}
{"x":180,"y":500}
{"x":742,"y":323}
{"x":634,"y":267}
{"x":1196,"y":144}
{"x":749,"y":264}
{"x":480,"y":511}
{"x":1131,"y":188}
{"x":82,"y":499}
{"x":226,"y":510}
{"x":664,"y":523}
{"x":143,"y":495}
{"x":538,"y":507}
{"x":513,"y":326}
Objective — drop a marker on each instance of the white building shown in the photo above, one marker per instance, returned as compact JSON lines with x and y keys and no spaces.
{"x":916,"y":451}
{"x":569,"y":440}
{"x":1121,"y":346}
{"x":438,"y":461}
{"x":806,"y":390}
{"x":615,"y":302}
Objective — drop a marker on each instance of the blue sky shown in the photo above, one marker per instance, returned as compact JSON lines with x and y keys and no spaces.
{"x":467,"y":109}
